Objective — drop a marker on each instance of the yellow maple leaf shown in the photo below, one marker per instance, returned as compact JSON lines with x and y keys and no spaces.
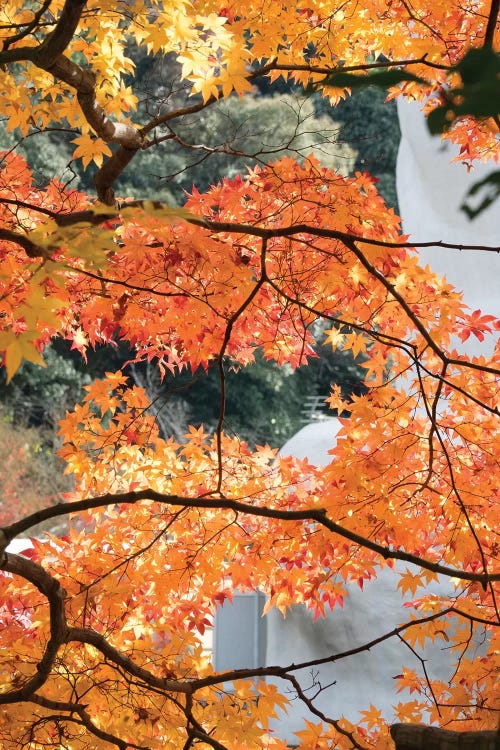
{"x":356,"y":343}
{"x":333,"y":337}
{"x":372,"y":717}
{"x":90,"y":149}
{"x":16,"y":348}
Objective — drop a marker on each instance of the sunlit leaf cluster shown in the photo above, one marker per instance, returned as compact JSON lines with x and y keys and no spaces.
{"x":104,"y":630}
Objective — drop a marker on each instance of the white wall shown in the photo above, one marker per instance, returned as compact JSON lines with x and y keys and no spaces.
{"x":430,"y":191}
{"x":18,"y":546}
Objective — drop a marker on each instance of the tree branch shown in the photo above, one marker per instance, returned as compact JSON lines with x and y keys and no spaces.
{"x":49,"y":56}
{"x":98,"y":641}
{"x":28,"y":27}
{"x":54,"y":44}
{"x":314,"y":514}
{"x":53,"y":591}
{"x":31,"y":249}
{"x":492,"y":23}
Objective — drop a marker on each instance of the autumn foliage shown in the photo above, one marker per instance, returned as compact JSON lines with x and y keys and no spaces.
{"x":101,"y":639}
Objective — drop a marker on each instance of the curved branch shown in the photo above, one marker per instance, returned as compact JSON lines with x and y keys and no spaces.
{"x":28,"y":27}
{"x":277,"y":671}
{"x":53,"y":591}
{"x":31,"y":249}
{"x":49,"y":56}
{"x":314,"y":710}
{"x":84,"y":720}
{"x":98,"y":641}
{"x":255,"y":230}
{"x":314,"y":514}
{"x":115,"y":164}
{"x":55,"y":43}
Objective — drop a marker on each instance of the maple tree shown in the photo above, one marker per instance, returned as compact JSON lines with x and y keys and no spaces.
{"x":101,"y":629}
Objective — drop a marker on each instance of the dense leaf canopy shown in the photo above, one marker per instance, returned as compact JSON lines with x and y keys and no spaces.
{"x":102,"y":629}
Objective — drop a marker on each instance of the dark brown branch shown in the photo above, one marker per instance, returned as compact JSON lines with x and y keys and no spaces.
{"x":421,"y":737}
{"x":375,"y":273}
{"x":332,"y":69}
{"x":289,"y":231}
{"x":220,"y":360}
{"x":492,"y":23}
{"x":207,"y":739}
{"x":31,"y":249}
{"x":314,"y":710}
{"x":189,"y":687}
{"x":349,"y":240}
{"x":110,"y":171}
{"x":54,"y":44}
{"x":277,"y":671}
{"x":199,"y":106}
{"x":84,"y":720}
{"x":49,"y":56}
{"x":57,"y":41}
{"x":53,"y":591}
{"x":314,"y":514}
{"x":115,"y":164}
{"x":28,"y":27}
{"x":68,"y":219}
{"x":91,"y":637}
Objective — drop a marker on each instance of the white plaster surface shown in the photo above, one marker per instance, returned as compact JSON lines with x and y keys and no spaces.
{"x":430,"y":191}
{"x":18,"y":546}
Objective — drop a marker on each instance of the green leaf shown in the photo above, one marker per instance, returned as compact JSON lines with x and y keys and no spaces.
{"x":478,"y":97}
{"x":382,"y":79}
{"x":490,"y":186}
{"x":478,"y":66}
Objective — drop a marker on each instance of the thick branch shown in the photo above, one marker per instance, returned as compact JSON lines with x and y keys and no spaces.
{"x":110,"y":171}
{"x":31,"y":249}
{"x":53,"y":591}
{"x":314,"y":514}
{"x":84,"y":82}
{"x":190,"y":686}
{"x":492,"y":23}
{"x":254,"y":230}
{"x":54,"y":44}
{"x":49,"y":56}
{"x":421,"y":737}
{"x":86,"y":635}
